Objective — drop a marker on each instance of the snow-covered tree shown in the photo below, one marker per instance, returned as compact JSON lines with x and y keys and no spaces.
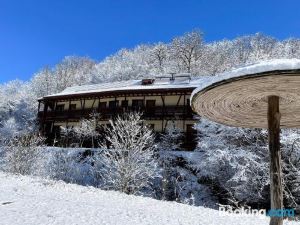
{"x":43,"y":82}
{"x":124,"y":65}
{"x":187,"y":49}
{"x":73,"y":71}
{"x":127,"y":161}
{"x":17,"y":108}
{"x":159,"y":55}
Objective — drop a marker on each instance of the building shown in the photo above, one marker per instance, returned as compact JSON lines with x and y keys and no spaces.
{"x":161,"y":100}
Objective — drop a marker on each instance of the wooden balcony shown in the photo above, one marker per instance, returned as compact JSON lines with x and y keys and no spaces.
{"x":148,"y":113}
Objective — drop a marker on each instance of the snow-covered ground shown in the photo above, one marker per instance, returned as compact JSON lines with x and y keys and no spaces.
{"x":34,"y":201}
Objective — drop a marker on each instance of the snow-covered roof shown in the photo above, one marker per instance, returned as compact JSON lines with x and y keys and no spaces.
{"x":261,"y":67}
{"x":159,"y":83}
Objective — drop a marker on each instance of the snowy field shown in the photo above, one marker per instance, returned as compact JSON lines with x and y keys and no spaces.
{"x":34,"y":201}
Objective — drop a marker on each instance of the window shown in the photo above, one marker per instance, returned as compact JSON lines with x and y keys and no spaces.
{"x":190,"y":128}
{"x":124,"y":103}
{"x":188,"y":102}
{"x":113,"y":104}
{"x":137,"y":103}
{"x":60,"y":108}
{"x":150,"y":103}
{"x":72,"y":107}
{"x":56,"y":131}
{"x":151,"y":126}
{"x":102,"y":105}
{"x":150,"y":106}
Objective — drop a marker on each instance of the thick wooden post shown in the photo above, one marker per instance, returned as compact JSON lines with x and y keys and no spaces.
{"x":275,"y":157}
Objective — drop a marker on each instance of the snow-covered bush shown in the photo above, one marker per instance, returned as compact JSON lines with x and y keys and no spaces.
{"x":291,"y":167}
{"x":9,"y":129}
{"x":127,"y":161}
{"x":235,"y":164}
{"x":22,"y":153}
{"x":68,"y":164}
{"x":87,"y":130}
{"x":172,"y":138}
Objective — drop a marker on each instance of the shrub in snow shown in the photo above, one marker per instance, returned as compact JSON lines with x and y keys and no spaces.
{"x":291,"y":168}
{"x":85,"y":131}
{"x":9,"y":129}
{"x":169,"y":141}
{"x":127,"y":161}
{"x":235,"y":164}
{"x":22,"y":153}
{"x":69,"y":165}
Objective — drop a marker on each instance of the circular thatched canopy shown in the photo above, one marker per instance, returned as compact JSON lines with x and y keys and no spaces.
{"x":239,"y":98}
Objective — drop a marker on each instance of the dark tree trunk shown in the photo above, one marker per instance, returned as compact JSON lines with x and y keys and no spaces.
{"x":275,"y":158}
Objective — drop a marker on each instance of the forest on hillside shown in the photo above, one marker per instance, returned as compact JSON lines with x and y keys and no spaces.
{"x":188,"y":53}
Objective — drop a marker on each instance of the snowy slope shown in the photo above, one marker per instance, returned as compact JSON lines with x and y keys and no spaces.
{"x":25,"y":200}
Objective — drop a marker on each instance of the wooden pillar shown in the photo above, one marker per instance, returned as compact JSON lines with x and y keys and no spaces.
{"x":163,"y":113}
{"x":275,"y":158}
{"x":99,"y":104}
{"x":39,"y":107}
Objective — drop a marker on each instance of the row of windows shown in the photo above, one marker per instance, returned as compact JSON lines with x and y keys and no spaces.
{"x":115,"y":103}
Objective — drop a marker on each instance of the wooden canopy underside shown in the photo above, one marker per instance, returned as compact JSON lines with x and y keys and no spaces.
{"x":243,"y":101}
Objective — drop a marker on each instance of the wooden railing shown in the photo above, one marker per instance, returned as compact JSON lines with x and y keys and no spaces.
{"x":155,"y":112}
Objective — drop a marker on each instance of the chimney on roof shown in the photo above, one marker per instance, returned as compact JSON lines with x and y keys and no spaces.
{"x":172,"y":76}
{"x":147,"y":81}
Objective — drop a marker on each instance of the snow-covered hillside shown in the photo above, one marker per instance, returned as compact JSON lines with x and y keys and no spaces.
{"x":26,"y":200}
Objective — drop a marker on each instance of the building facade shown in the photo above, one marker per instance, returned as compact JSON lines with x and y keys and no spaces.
{"x":161,"y":100}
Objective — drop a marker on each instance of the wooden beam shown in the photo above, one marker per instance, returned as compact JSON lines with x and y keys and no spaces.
{"x":94,"y":103}
{"x":275,"y":158}
{"x":163,"y":113}
{"x":178,"y":100}
{"x":184,"y":112}
{"x":99,"y":104}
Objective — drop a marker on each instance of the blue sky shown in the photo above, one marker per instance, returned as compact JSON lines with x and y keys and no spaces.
{"x":36,"y":33}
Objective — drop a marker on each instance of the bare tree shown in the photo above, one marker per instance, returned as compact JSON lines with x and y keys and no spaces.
{"x":159,"y":55}
{"x":187,"y":48}
{"x":43,"y":82}
{"x":73,"y":70}
{"x":261,"y":46}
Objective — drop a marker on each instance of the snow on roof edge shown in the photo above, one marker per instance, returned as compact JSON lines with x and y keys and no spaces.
{"x":126,"y":86}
